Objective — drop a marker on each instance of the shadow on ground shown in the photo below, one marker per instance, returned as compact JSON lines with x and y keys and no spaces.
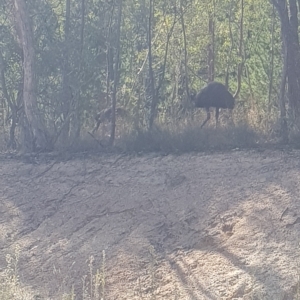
{"x":220,"y":226}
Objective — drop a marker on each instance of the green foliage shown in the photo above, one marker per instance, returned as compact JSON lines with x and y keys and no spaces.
{"x":88,"y":62}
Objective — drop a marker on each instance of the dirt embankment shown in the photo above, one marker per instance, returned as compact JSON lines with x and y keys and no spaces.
{"x":219,"y":226}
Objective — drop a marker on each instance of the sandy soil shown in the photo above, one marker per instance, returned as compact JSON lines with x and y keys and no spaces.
{"x":195,"y":226}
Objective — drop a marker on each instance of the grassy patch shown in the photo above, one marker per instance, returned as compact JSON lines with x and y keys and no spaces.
{"x":189,"y":138}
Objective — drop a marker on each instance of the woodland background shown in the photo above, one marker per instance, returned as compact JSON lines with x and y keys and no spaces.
{"x":62,"y":62}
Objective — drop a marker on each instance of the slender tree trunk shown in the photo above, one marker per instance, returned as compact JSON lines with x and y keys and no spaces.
{"x":36,"y":138}
{"x":109,"y":57}
{"x":116,"y":75}
{"x":186,"y":75}
{"x":231,"y":46}
{"x":66,"y":90}
{"x":150,"y":58}
{"x":11,"y":104}
{"x":211,"y":45}
{"x":163,"y":67}
{"x":76,"y":120}
{"x":282,"y":105}
{"x":82,"y":30}
{"x":294,"y":59}
{"x":271,"y":60}
{"x":289,"y":29}
{"x":241,"y":63}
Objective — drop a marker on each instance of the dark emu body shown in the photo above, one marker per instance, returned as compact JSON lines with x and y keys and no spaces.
{"x":215,"y":94}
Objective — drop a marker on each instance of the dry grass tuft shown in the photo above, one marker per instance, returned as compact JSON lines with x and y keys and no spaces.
{"x":10,"y":286}
{"x":181,"y":138}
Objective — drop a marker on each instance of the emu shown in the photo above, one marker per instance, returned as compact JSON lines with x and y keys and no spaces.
{"x":105,"y":115}
{"x":215,"y":94}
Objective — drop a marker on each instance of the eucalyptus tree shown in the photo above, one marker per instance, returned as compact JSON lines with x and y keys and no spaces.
{"x":116,"y":68}
{"x":35,"y":134}
{"x":11,"y":84}
{"x":288,"y":13}
{"x":86,"y":56}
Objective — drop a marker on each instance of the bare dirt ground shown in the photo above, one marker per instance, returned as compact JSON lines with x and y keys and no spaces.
{"x":195,"y":226}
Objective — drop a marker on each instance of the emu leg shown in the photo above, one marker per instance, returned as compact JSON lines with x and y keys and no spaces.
{"x":98,"y":119}
{"x":96,"y":127}
{"x":231,"y":116}
{"x":207,"y":117}
{"x":217,"y":116}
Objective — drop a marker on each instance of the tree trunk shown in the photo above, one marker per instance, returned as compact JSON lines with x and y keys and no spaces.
{"x":35,"y":132}
{"x":11,"y":104}
{"x":289,"y":30}
{"x":186,"y":76}
{"x":271,"y":61}
{"x":211,"y":46}
{"x":294,"y":59}
{"x":116,"y":76}
{"x":283,"y":117}
{"x":76,"y":119}
{"x":109,"y":57}
{"x":151,"y":74}
{"x":66,"y":90}
{"x":231,"y":46}
{"x":241,"y":63}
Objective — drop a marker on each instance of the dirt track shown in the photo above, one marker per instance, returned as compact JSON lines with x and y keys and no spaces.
{"x":218,"y":226}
